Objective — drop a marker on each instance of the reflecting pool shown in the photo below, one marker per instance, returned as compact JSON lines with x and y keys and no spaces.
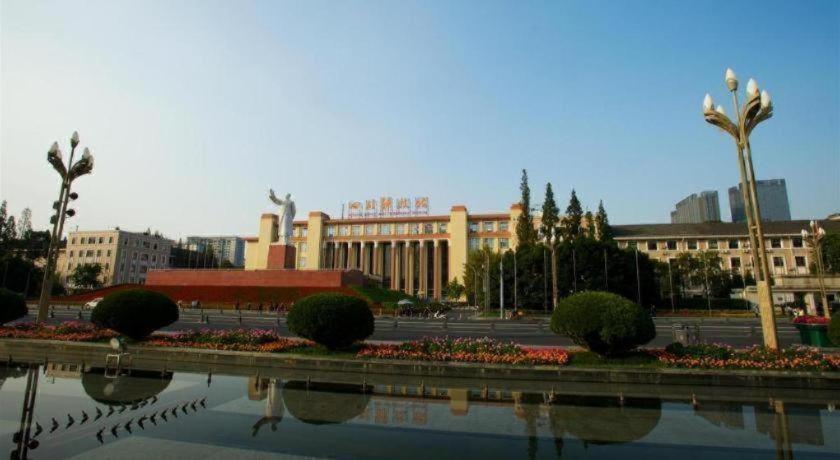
{"x":74,"y":410}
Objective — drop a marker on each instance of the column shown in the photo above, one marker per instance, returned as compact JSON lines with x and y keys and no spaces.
{"x":377,"y":267}
{"x":424,"y":269}
{"x":395,"y":265}
{"x":409,"y":267}
{"x":436,"y":275}
{"x":365,"y":258}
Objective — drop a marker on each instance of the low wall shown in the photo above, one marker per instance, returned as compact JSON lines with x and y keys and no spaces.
{"x":255,"y":278}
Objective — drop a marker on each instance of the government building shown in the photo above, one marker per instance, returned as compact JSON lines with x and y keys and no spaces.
{"x":420,"y":254}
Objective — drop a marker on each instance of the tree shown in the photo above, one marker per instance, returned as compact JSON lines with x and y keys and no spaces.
{"x":574,"y":216}
{"x":831,"y":252}
{"x":525,"y":232}
{"x":86,"y":276}
{"x":453,"y":290}
{"x":550,"y":213}
{"x":8,"y":232}
{"x":25,"y":223}
{"x":590,"y":225}
{"x":602,"y":223}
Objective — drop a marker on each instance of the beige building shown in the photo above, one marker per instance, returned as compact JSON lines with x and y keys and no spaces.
{"x":125,"y":257}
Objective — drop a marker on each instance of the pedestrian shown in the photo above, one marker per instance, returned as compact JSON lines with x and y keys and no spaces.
{"x":653,"y":311}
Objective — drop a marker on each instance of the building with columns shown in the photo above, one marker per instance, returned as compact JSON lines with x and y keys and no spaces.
{"x":415,"y":254}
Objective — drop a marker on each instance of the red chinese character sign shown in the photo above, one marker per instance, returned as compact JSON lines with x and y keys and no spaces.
{"x":387,"y":206}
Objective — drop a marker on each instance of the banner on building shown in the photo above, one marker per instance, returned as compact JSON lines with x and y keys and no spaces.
{"x":387,"y":206}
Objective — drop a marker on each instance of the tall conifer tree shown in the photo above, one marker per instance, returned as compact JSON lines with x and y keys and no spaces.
{"x":525,"y":231}
{"x":602,"y":223}
{"x":550,"y":213}
{"x":574,"y":216}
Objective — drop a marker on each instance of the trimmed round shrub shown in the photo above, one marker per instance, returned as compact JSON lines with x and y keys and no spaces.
{"x":12,"y":306}
{"x":604,"y":323}
{"x":135,"y":313}
{"x":834,"y":330}
{"x":333,"y":320}
{"x":322,"y":403}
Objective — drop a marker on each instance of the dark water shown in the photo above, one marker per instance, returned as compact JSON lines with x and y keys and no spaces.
{"x":217,"y":416}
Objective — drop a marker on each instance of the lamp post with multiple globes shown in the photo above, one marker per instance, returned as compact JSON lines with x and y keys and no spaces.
{"x":813,"y":238}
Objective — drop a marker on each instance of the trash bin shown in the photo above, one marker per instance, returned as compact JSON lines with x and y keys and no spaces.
{"x":681,"y":334}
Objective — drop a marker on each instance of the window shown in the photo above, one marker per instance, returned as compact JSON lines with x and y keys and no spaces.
{"x":474,"y":242}
{"x":712,"y":244}
{"x":503,"y":226}
{"x":73,"y":240}
{"x":651,"y":245}
{"x":401,"y":229}
{"x":155,"y":246}
{"x":442,"y":228}
{"x":304,"y":232}
{"x":800,"y":261}
{"x":303,"y":247}
{"x":489,"y":227}
{"x":385,"y":229}
{"x":89,"y":253}
{"x":343,"y":230}
{"x":778,"y":262}
{"x":107,"y":265}
{"x":143,"y":269}
{"x":504,"y":243}
{"x":370,"y":229}
{"x":302,"y":263}
{"x":796,"y":241}
{"x":108,"y":253}
{"x":692,"y":245}
{"x":331,"y":230}
{"x":632,"y":244}
{"x":733,"y":244}
{"x":414,"y":229}
{"x":71,"y":254}
{"x":473,"y":227}
{"x":776,"y":243}
{"x":356,"y":230}
{"x":154,"y":258}
{"x":735,"y":262}
{"x":98,"y":253}
{"x":428,"y":228}
{"x":672,"y":245}
{"x":134,"y":255}
{"x":489,"y":243}
{"x":110,"y":239}
{"x":101,"y":240}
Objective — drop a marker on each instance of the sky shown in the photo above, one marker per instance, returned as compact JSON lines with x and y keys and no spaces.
{"x":194,"y":109}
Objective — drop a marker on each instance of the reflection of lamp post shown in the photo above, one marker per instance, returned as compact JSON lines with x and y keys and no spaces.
{"x":757,"y":109}
{"x":68,"y":174}
{"x":814,"y":240}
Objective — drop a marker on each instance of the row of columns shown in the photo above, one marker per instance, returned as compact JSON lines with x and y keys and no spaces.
{"x":409,"y":265}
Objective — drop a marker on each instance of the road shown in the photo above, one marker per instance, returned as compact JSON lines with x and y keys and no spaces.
{"x":738,"y":332}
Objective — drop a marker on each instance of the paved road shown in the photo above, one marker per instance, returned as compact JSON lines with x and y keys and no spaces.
{"x":737,"y":332}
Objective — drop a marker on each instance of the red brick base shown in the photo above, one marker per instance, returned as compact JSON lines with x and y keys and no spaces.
{"x":281,"y":256}
{"x":255,"y":278}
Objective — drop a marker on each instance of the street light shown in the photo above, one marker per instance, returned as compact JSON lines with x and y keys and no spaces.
{"x":758,"y":108}
{"x":554,"y":269}
{"x":68,"y":174}
{"x":814,"y":240}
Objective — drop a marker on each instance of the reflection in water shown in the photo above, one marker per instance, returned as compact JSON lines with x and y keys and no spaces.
{"x":448,"y":422}
{"x":320,"y":403}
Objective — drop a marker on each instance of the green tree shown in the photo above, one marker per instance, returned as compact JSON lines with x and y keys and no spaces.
{"x":550,"y":213}
{"x":525,"y":232}
{"x":602,"y":223}
{"x":831,"y":252}
{"x":453,"y":290}
{"x":590,"y":225}
{"x":7,"y":230}
{"x":86,"y":276}
{"x":573,"y":219}
{"x":25,"y":223}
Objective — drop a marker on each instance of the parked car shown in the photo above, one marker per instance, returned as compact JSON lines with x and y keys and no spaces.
{"x":93,"y":303}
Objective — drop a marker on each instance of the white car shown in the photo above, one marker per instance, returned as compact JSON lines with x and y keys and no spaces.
{"x":93,"y":303}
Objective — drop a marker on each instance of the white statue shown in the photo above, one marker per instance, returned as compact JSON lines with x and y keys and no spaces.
{"x":286,"y":212}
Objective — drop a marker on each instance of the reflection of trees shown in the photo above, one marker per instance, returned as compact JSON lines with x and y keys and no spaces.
{"x":274,"y":409}
{"x":603,"y":420}
{"x":10,"y":371}
{"x":322,"y":403}
{"x":527,"y":406}
{"x":125,"y":389}
{"x":803,"y":423}
{"x":722,"y":413}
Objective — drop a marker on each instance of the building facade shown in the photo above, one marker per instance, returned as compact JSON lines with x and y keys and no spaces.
{"x":772,"y":199}
{"x":697,"y":209}
{"x":125,"y":257}
{"x":225,"y":248}
{"x":417,"y":254}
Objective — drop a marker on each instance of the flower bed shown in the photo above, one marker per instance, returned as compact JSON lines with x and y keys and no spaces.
{"x":814,"y":320}
{"x":759,"y":358}
{"x":232,"y":340}
{"x":73,"y":331}
{"x":466,"y":350}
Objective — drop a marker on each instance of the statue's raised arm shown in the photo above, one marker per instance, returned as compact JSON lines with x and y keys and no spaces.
{"x":273,"y":197}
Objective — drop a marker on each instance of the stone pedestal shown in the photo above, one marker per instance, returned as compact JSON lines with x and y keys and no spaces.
{"x":281,"y":256}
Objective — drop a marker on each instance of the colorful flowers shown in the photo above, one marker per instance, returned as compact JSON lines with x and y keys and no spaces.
{"x":809,"y":319}
{"x":232,"y":340}
{"x":466,"y":350}
{"x":796,"y":358}
{"x":73,"y":331}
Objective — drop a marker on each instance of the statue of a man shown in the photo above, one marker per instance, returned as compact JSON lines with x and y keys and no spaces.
{"x":286,"y":211}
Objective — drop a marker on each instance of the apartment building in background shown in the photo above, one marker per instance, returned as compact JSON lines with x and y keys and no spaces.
{"x":772,"y":199}
{"x":697,"y":208}
{"x":125,"y":257}
{"x":224,"y":248}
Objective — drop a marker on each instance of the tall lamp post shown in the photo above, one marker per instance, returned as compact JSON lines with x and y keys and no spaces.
{"x":814,"y":239}
{"x":68,"y":174}
{"x":554,"y":270}
{"x":757,"y":109}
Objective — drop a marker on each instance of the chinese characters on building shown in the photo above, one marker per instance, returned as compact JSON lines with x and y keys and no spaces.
{"x":387,"y":206}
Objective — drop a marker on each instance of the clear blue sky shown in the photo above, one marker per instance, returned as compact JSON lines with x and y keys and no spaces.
{"x":193,"y":109}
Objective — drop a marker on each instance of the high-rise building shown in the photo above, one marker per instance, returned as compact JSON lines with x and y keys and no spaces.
{"x":224,"y":248}
{"x":697,"y":209}
{"x":772,"y":198}
{"x":125,"y":257}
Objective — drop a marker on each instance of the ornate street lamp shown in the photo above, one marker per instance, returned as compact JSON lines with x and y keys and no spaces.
{"x":68,"y":174}
{"x":813,"y":239}
{"x":757,"y":109}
